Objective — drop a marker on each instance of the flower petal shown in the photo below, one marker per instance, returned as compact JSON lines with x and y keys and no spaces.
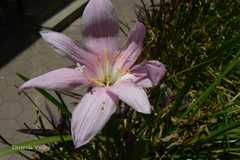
{"x":132,"y":95}
{"x":148,"y":74}
{"x":91,"y":114}
{"x":135,"y":44}
{"x":100,"y":19}
{"x":68,"y":47}
{"x":102,"y":46}
{"x":100,"y":27}
{"x":60,"y":79}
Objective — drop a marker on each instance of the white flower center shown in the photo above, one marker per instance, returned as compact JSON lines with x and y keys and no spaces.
{"x":108,"y":74}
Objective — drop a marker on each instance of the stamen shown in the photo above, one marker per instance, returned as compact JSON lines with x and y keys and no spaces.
{"x":107,"y":67}
{"x":96,"y":82}
{"x":107,"y":73}
{"x":100,"y":71}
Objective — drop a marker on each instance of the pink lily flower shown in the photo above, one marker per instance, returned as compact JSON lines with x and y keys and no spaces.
{"x":108,"y":69}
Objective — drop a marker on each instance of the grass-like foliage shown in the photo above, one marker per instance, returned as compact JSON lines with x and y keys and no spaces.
{"x":197,"y":106}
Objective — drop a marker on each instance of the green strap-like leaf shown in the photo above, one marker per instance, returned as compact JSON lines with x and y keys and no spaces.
{"x":221,"y":130}
{"x":32,"y":144}
{"x":235,"y":61}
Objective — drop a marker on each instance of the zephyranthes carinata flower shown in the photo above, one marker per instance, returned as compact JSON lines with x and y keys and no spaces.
{"x":103,"y":66}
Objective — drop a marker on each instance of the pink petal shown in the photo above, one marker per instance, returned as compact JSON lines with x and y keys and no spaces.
{"x":91,"y":114}
{"x":148,"y":74}
{"x":68,"y":47}
{"x":132,"y":95}
{"x":100,"y":19}
{"x":100,"y":27}
{"x":102,"y":46}
{"x":135,"y":44}
{"x":60,"y":79}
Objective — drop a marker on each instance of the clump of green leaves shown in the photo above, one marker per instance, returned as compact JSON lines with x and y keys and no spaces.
{"x":199,"y":42}
{"x":196,"y":109}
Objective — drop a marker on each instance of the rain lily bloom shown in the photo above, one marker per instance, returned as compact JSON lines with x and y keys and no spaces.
{"x":102,"y":65}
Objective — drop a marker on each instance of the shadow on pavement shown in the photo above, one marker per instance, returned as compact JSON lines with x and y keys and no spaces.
{"x":20,"y":22}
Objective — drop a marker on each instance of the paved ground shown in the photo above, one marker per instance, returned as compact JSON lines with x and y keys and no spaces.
{"x":38,"y":58}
